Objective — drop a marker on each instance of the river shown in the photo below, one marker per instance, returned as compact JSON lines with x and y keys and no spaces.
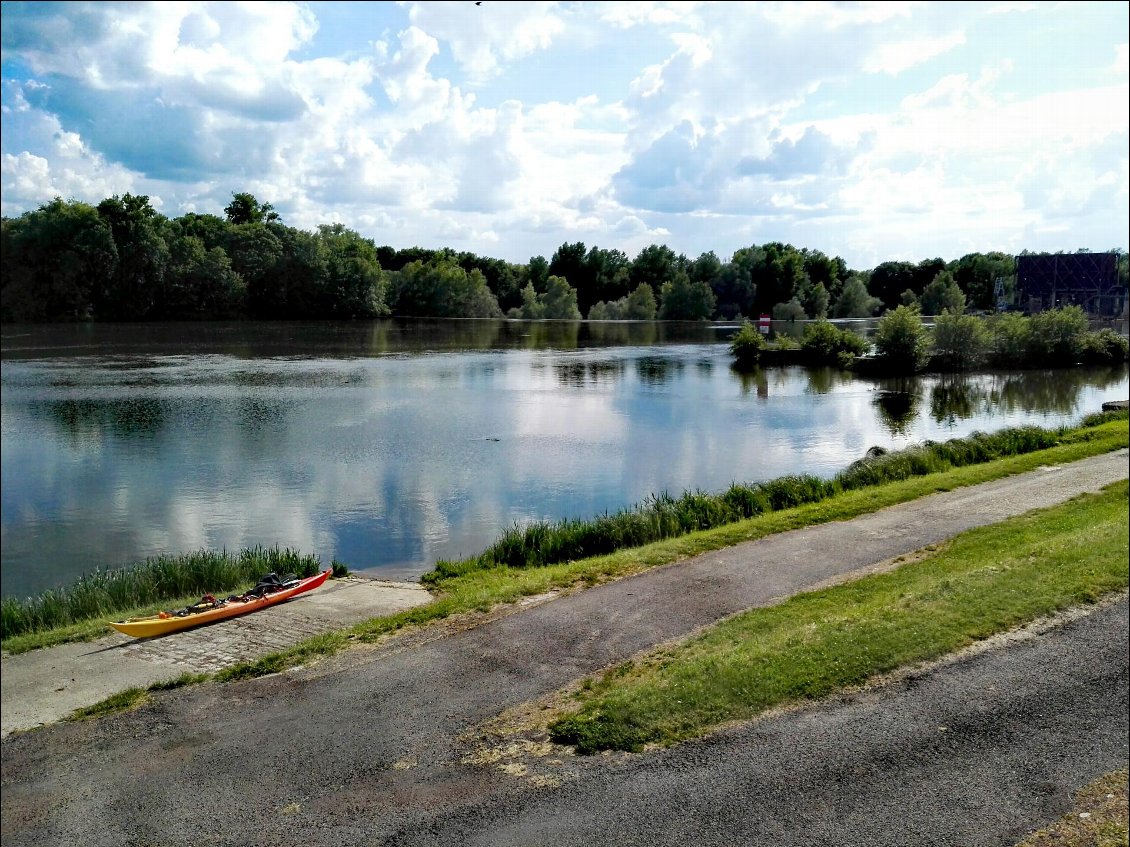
{"x":391,"y":444}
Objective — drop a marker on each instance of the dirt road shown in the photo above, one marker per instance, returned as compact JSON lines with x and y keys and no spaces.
{"x":379,"y":746}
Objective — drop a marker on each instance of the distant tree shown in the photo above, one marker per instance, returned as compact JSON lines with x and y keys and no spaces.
{"x":733,"y":288}
{"x":901,"y":340}
{"x":199,"y":283}
{"x":654,"y":265}
{"x":790,"y":311}
{"x":961,"y":342}
{"x":941,"y":295}
{"x":538,"y":274}
{"x":977,"y":275}
{"x":683,"y":300}
{"x":53,"y":260}
{"x":442,"y":289}
{"x":134,"y":286}
{"x":531,"y":308}
{"x":256,"y":253}
{"x":560,"y":300}
{"x":890,"y":279}
{"x":641,"y":304}
{"x":855,"y":301}
{"x":815,"y":300}
{"x":358,"y":288}
{"x":245,"y":209}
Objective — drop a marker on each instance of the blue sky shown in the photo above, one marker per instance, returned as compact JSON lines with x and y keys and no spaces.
{"x":871,"y":131}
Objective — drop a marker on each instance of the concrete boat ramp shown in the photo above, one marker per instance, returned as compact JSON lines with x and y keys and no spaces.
{"x":43,"y":686}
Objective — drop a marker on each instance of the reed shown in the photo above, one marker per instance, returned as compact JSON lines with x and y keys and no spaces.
{"x":104,"y":592}
{"x":664,"y":516}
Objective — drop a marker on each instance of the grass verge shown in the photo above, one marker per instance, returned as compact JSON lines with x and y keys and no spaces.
{"x":983,"y":582}
{"x":1098,"y":817}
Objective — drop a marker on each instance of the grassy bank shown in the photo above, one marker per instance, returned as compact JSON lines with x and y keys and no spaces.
{"x":546,"y":543}
{"x":481,"y":590}
{"x":983,"y":582}
{"x":71,"y":612}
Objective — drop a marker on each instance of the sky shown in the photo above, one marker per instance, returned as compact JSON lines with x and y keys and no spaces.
{"x":872,"y":131}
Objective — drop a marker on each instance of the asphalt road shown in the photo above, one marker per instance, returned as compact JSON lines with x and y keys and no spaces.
{"x":384,"y":745}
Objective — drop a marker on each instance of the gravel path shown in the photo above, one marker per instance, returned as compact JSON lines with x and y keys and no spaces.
{"x":381,"y":744}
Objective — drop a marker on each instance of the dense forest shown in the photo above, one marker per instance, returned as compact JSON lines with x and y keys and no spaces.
{"x":124,"y":261}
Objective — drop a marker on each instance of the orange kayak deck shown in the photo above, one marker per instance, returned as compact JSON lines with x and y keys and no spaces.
{"x":152,"y":625}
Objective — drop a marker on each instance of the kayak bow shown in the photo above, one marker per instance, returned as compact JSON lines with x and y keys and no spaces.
{"x":166,"y":622}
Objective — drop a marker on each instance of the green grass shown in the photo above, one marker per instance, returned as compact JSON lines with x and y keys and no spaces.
{"x":985,"y":581}
{"x":663,"y":516}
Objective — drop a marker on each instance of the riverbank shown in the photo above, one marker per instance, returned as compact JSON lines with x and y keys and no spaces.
{"x":414,"y":751}
{"x":475,"y":593}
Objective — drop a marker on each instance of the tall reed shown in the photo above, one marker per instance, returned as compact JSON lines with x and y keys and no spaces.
{"x":664,"y":516}
{"x":101,"y":593}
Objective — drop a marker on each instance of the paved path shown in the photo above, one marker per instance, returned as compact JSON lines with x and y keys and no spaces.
{"x":45,"y":685}
{"x":385,"y":745}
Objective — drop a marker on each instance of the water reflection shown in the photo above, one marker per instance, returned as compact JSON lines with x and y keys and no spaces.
{"x":897,"y":403}
{"x":391,"y":461}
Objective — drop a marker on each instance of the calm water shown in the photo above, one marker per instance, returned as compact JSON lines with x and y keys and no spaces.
{"x":389,"y":445}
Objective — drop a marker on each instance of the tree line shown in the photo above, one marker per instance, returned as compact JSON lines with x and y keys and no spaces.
{"x":122,"y":260}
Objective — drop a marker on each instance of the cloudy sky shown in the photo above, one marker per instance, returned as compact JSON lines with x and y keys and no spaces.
{"x":872,"y":131}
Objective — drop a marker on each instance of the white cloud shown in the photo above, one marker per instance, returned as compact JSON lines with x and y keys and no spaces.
{"x":893,"y":59}
{"x":780,"y":121}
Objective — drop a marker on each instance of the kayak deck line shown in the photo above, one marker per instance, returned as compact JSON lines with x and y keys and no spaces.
{"x":215,"y":610}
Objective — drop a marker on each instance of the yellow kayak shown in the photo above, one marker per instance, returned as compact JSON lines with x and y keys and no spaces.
{"x":214,"y":610}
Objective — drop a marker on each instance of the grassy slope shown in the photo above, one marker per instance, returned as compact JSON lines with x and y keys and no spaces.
{"x":983,"y":582}
{"x":483,"y":590}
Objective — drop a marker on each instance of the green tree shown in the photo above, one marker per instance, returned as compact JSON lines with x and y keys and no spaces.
{"x":733,"y":288}
{"x":442,"y":289}
{"x":139,"y":273}
{"x":560,"y":300}
{"x":790,"y":311}
{"x":825,"y":344}
{"x":1011,"y":337}
{"x":53,"y":260}
{"x":359,"y":289}
{"x":683,"y":300}
{"x":901,"y":340}
{"x":256,"y":253}
{"x":199,"y":283}
{"x":961,"y":342}
{"x":654,"y":265}
{"x":854,"y":301}
{"x":941,"y":295}
{"x":1057,"y":337}
{"x":746,"y":345}
{"x":815,"y":299}
{"x":245,"y":209}
{"x":531,"y":309}
{"x":641,"y":304}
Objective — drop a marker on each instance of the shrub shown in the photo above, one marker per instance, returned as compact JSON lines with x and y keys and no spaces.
{"x":1057,"y":337}
{"x":961,"y":341}
{"x":746,"y":345}
{"x":825,"y":344}
{"x":1011,"y":335}
{"x":901,"y":340}
{"x":1104,"y":347}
